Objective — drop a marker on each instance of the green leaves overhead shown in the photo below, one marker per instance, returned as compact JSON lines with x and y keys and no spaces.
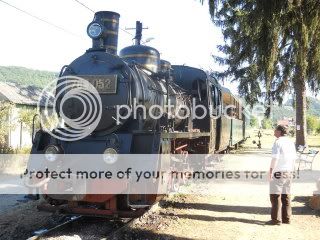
{"x":269,"y":45}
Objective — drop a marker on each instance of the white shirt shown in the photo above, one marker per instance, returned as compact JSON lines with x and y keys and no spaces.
{"x":284,"y":151}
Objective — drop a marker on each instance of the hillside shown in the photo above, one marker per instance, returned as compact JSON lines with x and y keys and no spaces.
{"x":314,"y":106}
{"x":26,"y":76}
{"x":287,"y":110}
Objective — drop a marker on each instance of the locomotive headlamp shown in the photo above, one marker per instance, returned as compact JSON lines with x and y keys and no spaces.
{"x":51,"y":153}
{"x":94,"y":30}
{"x":110,"y":155}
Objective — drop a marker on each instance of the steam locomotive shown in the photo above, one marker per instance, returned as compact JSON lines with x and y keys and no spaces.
{"x":138,"y":75}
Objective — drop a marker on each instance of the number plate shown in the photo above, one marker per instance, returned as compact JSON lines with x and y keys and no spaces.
{"x":105,"y":84}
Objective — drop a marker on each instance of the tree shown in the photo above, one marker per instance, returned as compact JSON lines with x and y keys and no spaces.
{"x":271,"y":47}
{"x":302,"y":33}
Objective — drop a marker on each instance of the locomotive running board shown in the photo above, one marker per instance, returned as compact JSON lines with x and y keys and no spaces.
{"x":139,"y":206}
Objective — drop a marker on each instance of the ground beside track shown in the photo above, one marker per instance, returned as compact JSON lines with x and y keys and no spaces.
{"x":203,"y":214}
{"x":20,"y":221}
{"x":223,"y":218}
{"x":8,"y":201}
{"x":212,"y":212}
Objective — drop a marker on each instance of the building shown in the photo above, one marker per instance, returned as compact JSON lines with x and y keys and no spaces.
{"x":16,"y":133}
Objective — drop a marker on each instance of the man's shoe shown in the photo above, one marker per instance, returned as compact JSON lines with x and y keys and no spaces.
{"x":286,"y":222}
{"x":273,"y":222}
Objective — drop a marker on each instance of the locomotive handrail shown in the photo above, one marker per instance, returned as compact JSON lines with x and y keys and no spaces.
{"x":140,"y":81}
{"x":198,"y":90}
{"x":63,"y":69}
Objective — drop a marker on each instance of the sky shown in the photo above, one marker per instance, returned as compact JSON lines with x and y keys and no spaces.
{"x":182,"y":30}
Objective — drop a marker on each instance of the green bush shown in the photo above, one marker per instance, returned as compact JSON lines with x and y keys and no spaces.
{"x":26,"y":116}
{"x":24,"y":150}
{"x":313,"y":124}
{"x":254,"y":122}
{"x":267,"y":123}
{"x":6,"y":150}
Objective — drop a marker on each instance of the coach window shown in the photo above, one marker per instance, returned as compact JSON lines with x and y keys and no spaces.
{"x":200,"y":89}
{"x":240,"y":111}
{"x":233,"y":110}
{"x":203,"y":90}
{"x":237,"y":109}
{"x":219,"y":104}
{"x":214,"y":98}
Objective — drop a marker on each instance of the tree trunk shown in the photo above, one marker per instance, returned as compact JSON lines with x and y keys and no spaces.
{"x":300,"y":84}
{"x":301,"y":113}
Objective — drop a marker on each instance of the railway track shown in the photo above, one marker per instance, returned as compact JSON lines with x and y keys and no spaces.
{"x":83,"y":226}
{"x":39,"y":234}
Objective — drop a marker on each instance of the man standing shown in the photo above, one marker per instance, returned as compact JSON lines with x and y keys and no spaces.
{"x":281,"y":172}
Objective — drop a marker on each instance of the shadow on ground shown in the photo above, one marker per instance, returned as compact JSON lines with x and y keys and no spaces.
{"x":301,"y":210}
{"x":220,"y":219}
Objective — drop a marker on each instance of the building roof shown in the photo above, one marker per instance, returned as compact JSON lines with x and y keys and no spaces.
{"x":24,"y":95}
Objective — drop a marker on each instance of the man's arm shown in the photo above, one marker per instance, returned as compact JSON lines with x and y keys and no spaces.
{"x":272,"y":165}
{"x":275,"y":157}
{"x":294,"y":156}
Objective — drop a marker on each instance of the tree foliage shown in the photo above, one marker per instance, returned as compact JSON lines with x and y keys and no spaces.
{"x":271,"y":48}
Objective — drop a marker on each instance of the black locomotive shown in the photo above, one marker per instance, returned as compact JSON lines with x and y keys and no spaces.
{"x":138,"y":76}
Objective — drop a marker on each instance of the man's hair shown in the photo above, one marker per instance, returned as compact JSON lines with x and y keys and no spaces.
{"x":282,"y":129}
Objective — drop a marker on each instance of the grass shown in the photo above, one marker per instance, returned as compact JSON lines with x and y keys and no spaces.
{"x":314,"y":142}
{"x":267,"y":140}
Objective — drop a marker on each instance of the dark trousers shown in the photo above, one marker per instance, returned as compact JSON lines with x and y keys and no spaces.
{"x":280,"y":189}
{"x":280,"y":206}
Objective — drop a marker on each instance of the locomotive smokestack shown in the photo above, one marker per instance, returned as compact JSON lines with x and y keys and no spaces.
{"x":104,"y":31}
